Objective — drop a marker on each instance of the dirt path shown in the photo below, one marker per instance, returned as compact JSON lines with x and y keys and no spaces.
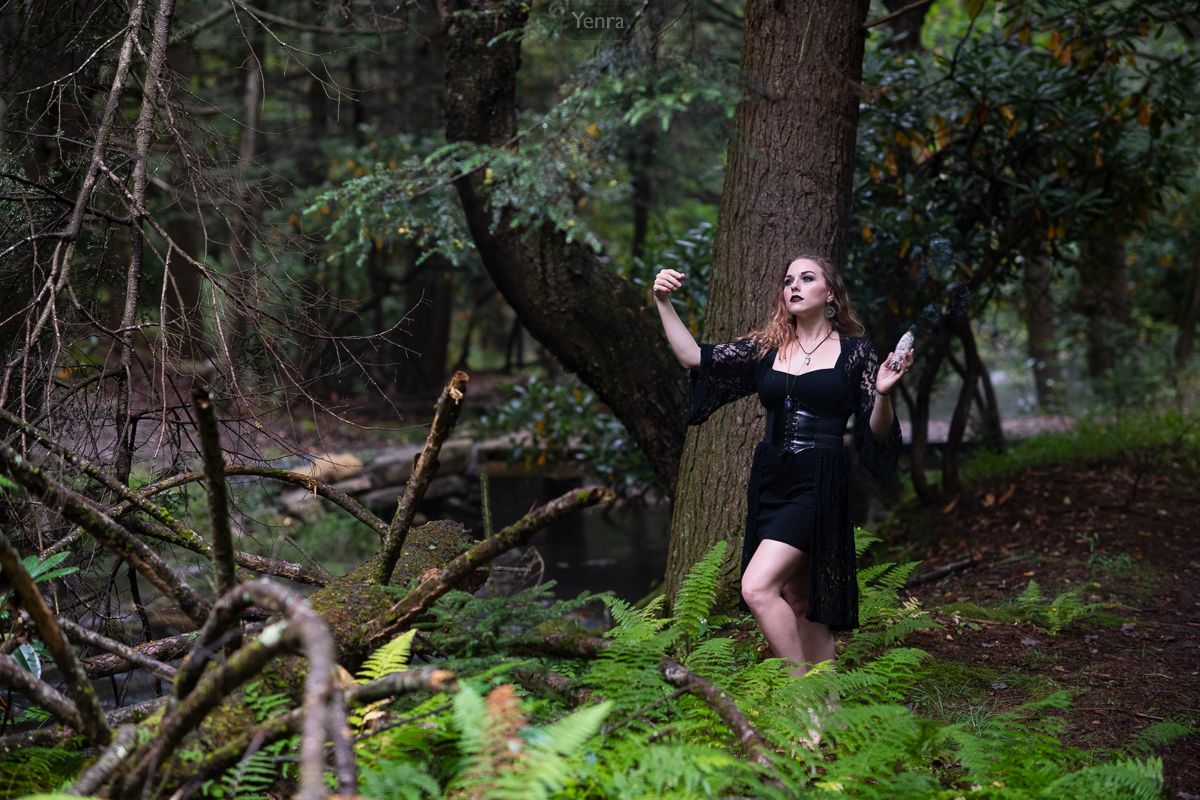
{"x":1137,"y":553}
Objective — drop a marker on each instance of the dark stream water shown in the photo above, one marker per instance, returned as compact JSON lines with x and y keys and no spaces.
{"x":622,"y":549}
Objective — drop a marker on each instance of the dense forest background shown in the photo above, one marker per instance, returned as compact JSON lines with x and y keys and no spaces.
{"x":237,"y":237}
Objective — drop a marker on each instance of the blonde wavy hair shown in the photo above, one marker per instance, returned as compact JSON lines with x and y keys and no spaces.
{"x":780,"y":330}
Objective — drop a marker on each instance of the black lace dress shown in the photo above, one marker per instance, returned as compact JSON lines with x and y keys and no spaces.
{"x":803,"y":498}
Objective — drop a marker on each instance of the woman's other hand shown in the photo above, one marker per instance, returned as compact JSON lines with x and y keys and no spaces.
{"x":888,"y":376}
{"x":667,"y":281}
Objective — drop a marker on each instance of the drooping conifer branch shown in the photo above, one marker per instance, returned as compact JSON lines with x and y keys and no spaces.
{"x":217,"y":491}
{"x":449,"y":406}
{"x":83,"y":512}
{"x":420,"y":599}
{"x":87,"y":705}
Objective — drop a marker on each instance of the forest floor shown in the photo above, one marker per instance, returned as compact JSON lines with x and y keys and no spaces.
{"x":1133,"y":551}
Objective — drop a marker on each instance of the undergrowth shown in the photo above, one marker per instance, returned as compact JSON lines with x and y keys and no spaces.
{"x":1131,"y":437}
{"x":623,"y":732}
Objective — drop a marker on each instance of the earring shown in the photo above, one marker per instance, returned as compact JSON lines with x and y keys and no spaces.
{"x":830,"y":311}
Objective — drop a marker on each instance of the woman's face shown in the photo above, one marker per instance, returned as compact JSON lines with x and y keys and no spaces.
{"x":804,"y":289}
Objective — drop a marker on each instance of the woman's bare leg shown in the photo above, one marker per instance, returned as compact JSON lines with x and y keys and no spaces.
{"x":816,"y":639}
{"x":773,"y":566}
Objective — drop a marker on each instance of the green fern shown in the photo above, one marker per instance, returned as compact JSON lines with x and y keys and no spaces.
{"x":698,"y":592}
{"x":392,"y":780}
{"x":502,"y":757}
{"x":263,"y":705}
{"x":252,"y":778}
{"x":392,"y":657}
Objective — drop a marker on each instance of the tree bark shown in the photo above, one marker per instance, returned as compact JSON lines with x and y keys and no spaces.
{"x":1105,"y":298}
{"x":1185,"y":345}
{"x":1043,"y":333}
{"x":931,"y":362}
{"x":597,"y":325}
{"x":787,"y":190}
{"x":906,"y":26}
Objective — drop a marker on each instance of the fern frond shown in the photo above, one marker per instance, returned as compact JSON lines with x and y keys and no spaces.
{"x":698,"y":591}
{"x":391,"y":780}
{"x":1132,"y":779}
{"x":392,"y":657}
{"x":713,"y":659}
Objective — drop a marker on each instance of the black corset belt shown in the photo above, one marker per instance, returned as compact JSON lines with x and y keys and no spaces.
{"x":797,"y":430}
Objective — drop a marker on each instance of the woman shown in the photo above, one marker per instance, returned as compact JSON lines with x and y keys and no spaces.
{"x":811,"y":375}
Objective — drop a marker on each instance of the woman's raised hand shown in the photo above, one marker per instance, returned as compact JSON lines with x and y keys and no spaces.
{"x":667,"y":281}
{"x":888,"y":377}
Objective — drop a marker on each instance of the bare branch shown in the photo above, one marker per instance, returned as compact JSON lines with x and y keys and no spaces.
{"x":96,"y":474}
{"x":722,"y":705}
{"x":215,"y":687}
{"x":335,"y":496}
{"x":305,"y":627}
{"x":38,"y":692}
{"x":95,"y":776}
{"x":403,"y":613}
{"x":48,"y":737}
{"x":268,"y":566}
{"x":449,"y":406}
{"x":260,"y":16}
{"x":218,"y":499}
{"x":132,"y":655}
{"x":83,"y":512}
{"x":166,"y":649}
{"x":426,"y":679}
{"x":87,"y":705}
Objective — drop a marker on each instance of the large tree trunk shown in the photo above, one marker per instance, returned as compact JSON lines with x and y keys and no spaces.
{"x":1043,"y":333}
{"x":906,"y":26}
{"x":787,"y":190}
{"x":1185,"y":345}
{"x":1105,"y":297}
{"x":598,"y":326}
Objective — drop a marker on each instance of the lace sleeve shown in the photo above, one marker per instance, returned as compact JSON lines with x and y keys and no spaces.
{"x":727,"y":373}
{"x":878,"y":456}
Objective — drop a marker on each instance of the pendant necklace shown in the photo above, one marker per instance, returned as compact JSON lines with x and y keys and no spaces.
{"x":808,"y":354}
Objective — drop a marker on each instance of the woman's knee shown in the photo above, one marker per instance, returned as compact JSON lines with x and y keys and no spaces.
{"x":757,"y":594}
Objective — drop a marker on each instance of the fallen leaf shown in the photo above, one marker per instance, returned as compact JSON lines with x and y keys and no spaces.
{"x":950,"y":506}
{"x":1004,"y":497}
{"x":989,"y":500}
